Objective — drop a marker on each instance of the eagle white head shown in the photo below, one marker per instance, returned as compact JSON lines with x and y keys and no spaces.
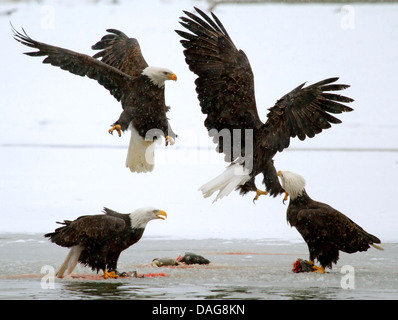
{"x":293,"y":183}
{"x":140,"y":217}
{"x":159,"y":75}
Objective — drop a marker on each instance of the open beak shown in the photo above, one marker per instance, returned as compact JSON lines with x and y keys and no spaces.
{"x":161,"y":215}
{"x":173,"y":77}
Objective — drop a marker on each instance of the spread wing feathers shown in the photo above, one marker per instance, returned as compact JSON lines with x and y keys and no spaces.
{"x":80,"y":64}
{"x":121,"y":52}
{"x":304,"y":112}
{"x":87,"y":228}
{"x":342,"y":231}
{"x":225,"y":88}
{"x":225,"y":84}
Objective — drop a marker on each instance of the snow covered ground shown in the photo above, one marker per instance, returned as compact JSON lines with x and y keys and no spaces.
{"x":59,"y":162}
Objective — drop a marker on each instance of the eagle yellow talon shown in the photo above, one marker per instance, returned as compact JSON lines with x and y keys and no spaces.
{"x":118,"y":128}
{"x":318,"y":269}
{"x":286,"y":197}
{"x":111,"y":274}
{"x":169,"y":140}
{"x":259,"y":193}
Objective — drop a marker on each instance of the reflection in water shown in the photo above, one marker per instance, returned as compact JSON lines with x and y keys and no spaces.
{"x":256,"y":293}
{"x":230,"y":293}
{"x":311,"y":294}
{"x":122,"y":290}
{"x":109,"y":290}
{"x":95,"y":289}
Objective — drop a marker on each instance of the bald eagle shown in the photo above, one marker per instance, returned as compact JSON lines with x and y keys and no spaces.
{"x":325,"y":230}
{"x":225,"y":87}
{"x":98,"y":240}
{"x":125,"y":73}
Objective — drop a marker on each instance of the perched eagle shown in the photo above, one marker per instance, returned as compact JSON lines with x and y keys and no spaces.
{"x":325,"y":230}
{"x":125,"y":73}
{"x":225,"y":88}
{"x":97,"y":240}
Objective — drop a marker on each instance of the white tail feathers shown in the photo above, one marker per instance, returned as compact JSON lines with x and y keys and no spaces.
{"x":234,"y":176}
{"x":141,"y":153}
{"x":70,"y":262}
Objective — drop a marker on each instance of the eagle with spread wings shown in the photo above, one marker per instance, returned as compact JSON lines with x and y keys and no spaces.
{"x":225,"y":88}
{"x":124,"y":72}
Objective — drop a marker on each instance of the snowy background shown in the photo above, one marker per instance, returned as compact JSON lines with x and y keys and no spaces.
{"x":59,"y":162}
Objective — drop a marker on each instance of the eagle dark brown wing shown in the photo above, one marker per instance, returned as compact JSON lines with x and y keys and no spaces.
{"x":87,"y":228}
{"x":111,"y":78}
{"x":225,"y":87}
{"x":121,"y":52}
{"x":304,"y":112}
{"x":225,"y":83}
{"x":326,"y":231}
{"x":113,"y":213}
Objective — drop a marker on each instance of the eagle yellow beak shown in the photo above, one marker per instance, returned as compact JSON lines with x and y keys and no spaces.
{"x":279,"y":173}
{"x":161,"y":215}
{"x":173,"y":76}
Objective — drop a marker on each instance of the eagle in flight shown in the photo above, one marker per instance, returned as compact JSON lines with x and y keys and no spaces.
{"x":225,"y":88}
{"x":124,"y":72}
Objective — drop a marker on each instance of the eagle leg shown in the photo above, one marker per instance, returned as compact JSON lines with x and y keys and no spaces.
{"x":111,"y":274}
{"x":116,"y":127}
{"x":259,"y":193}
{"x":169,"y":140}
